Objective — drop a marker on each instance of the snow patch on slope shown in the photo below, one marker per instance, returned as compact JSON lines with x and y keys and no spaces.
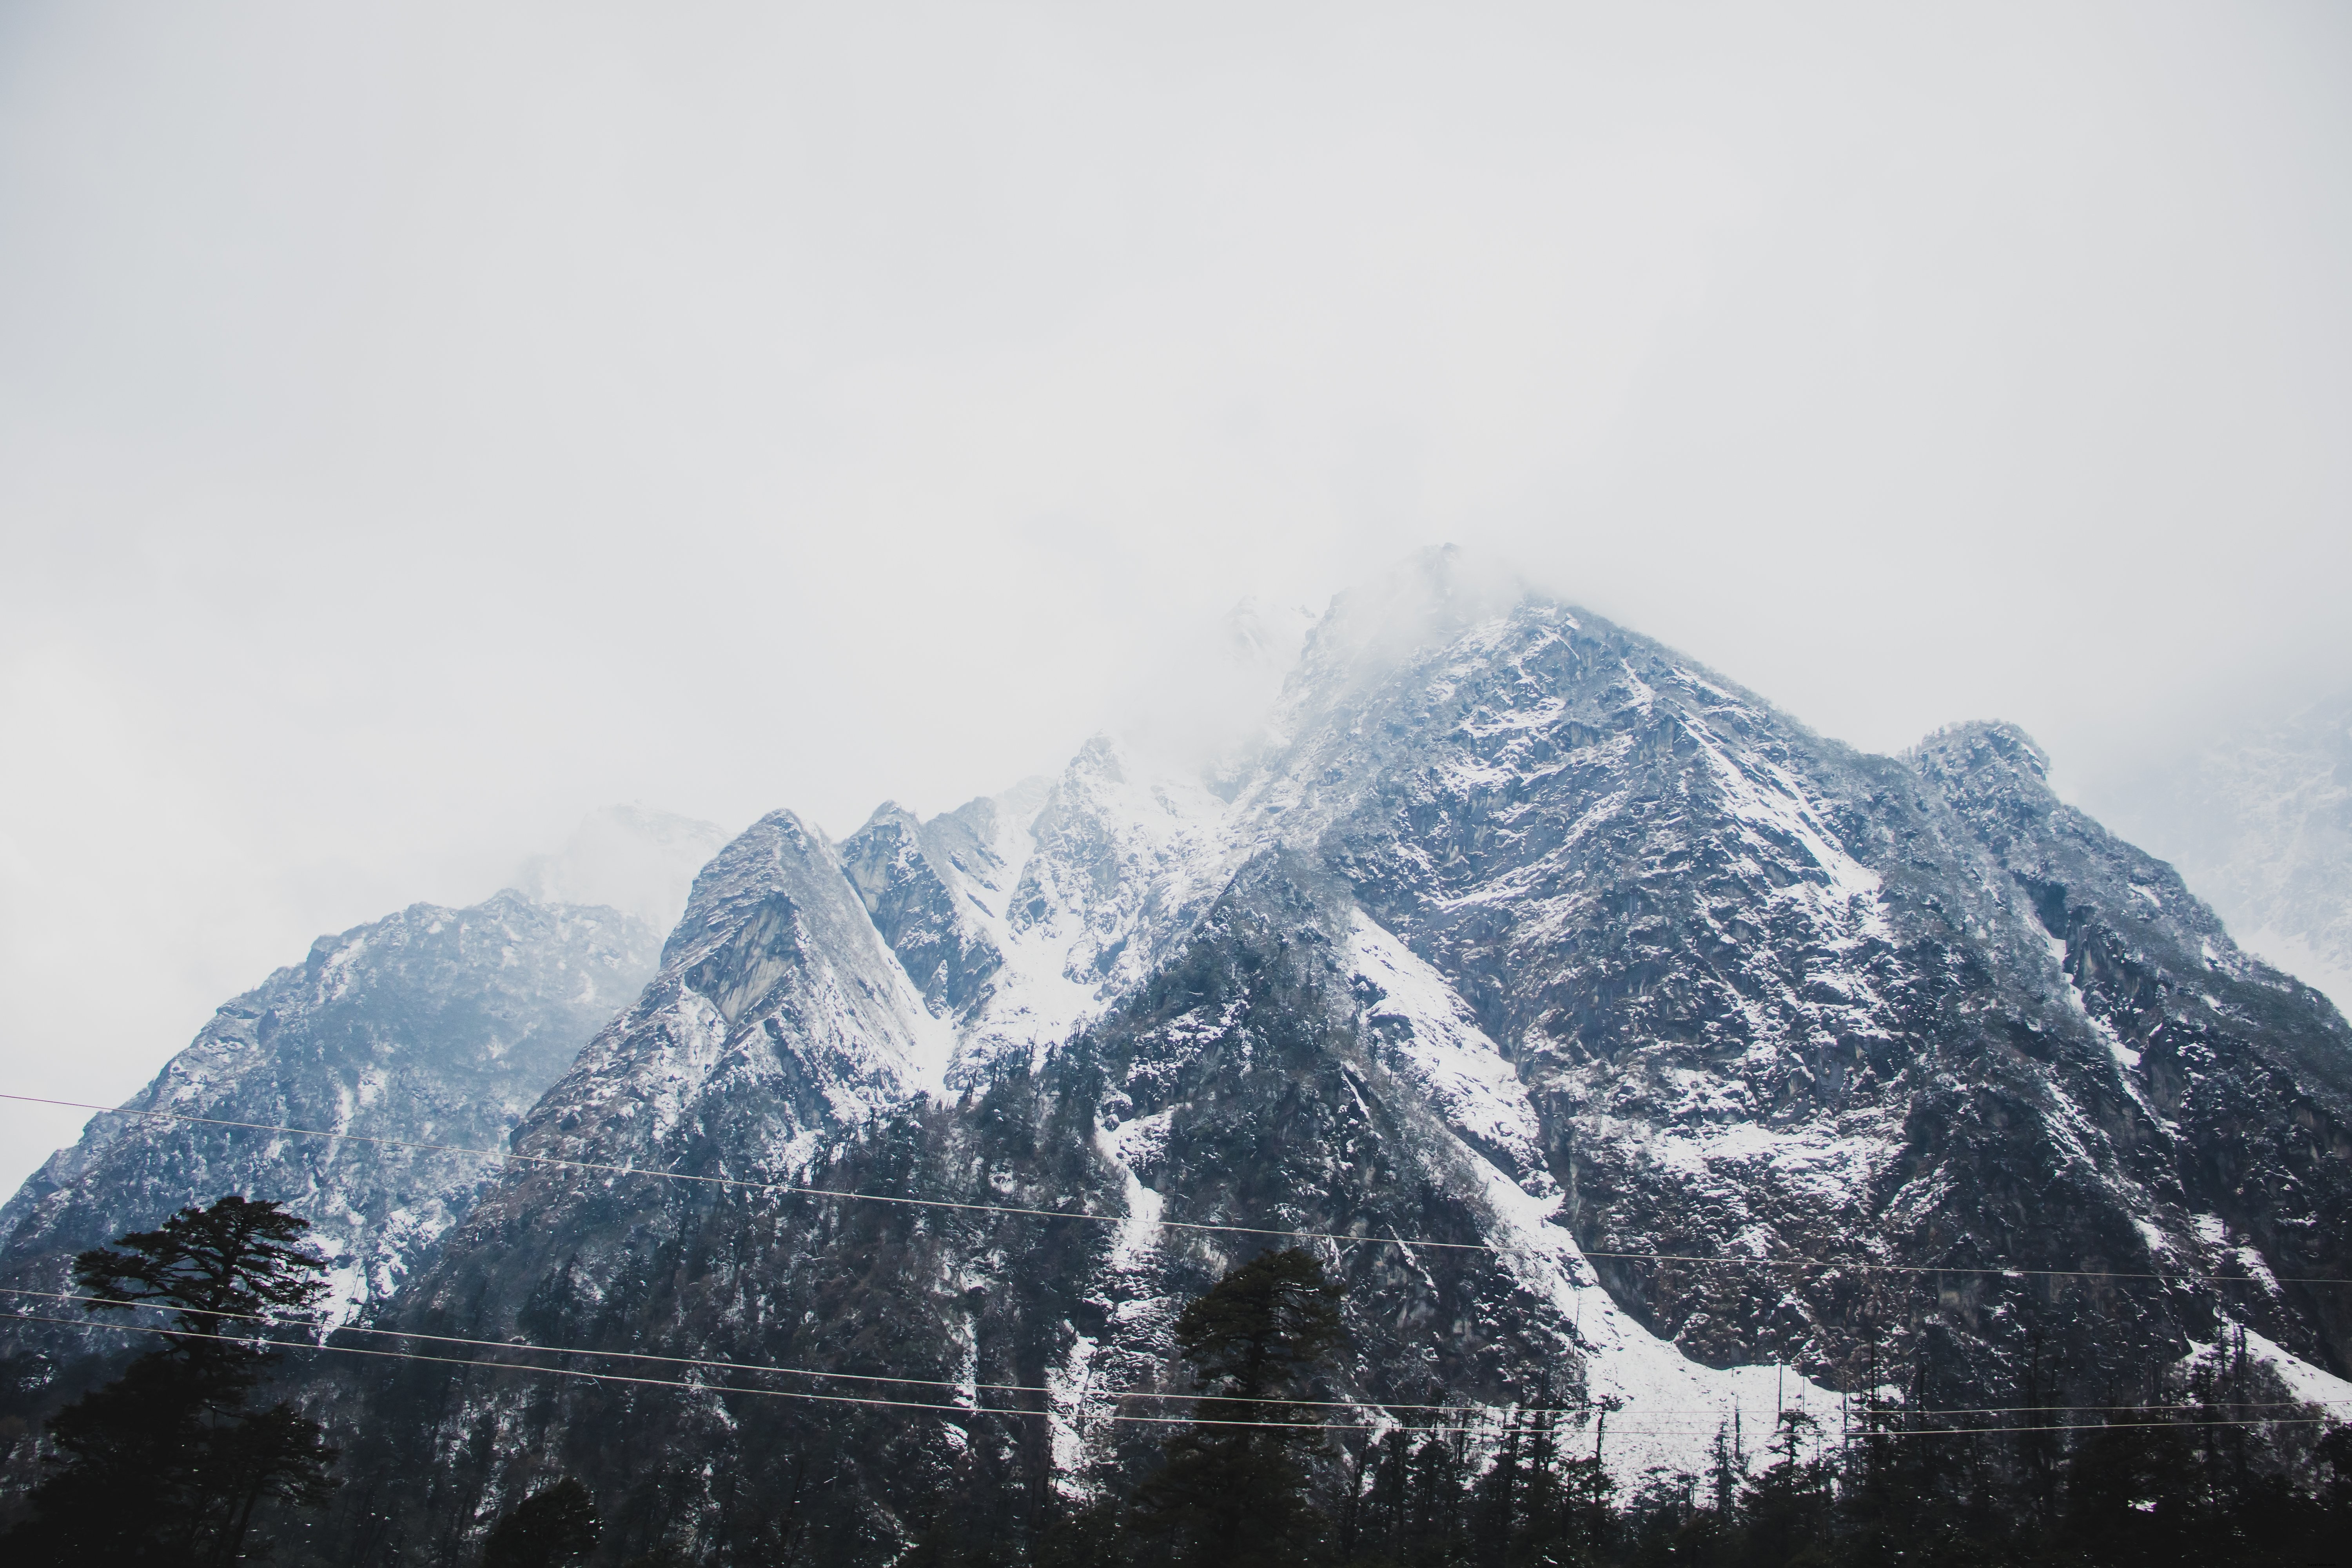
{"x":1125,"y":1147}
{"x":1831,"y":1165}
{"x":1772,"y":810}
{"x":1093,"y":879}
{"x":1673,"y":1407}
{"x":2310,"y":1385}
{"x":1434,"y":1042}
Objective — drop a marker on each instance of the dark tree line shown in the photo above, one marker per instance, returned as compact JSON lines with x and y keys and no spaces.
{"x":2195,"y":1481}
{"x":177,"y":1462}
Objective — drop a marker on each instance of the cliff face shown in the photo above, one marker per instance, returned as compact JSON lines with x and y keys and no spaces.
{"x":2231,"y":1085}
{"x":1771,"y":996}
{"x":433,"y":1025}
{"x":1605,"y":1030}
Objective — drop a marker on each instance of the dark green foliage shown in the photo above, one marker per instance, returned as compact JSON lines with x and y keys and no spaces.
{"x":167,"y":1464}
{"x":1260,"y":1333}
{"x":240,"y":1259}
{"x":155,"y":1465}
{"x":555,"y":1527}
{"x":1233,"y":1490}
{"x":2168,"y":1485}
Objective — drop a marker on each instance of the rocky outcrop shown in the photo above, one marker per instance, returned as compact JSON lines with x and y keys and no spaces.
{"x":906,"y":877}
{"x":2228,"y":1083}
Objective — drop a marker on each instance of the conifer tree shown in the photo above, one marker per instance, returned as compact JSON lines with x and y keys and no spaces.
{"x":1232,"y":1492}
{"x":166,"y":1464}
{"x":555,"y":1527}
{"x":1502,"y":1495}
{"x":1786,"y":1508}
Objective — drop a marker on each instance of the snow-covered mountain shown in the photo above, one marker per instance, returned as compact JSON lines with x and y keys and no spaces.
{"x":432,"y":1026}
{"x":1608,"y":1033}
{"x":1540,"y":961}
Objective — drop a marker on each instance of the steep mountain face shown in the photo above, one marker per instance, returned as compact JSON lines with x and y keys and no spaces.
{"x":2235,"y":1107}
{"x":433,"y":1025}
{"x":1025,"y":915}
{"x":907,"y":873}
{"x":1676,"y":908}
{"x":1608,"y":1033}
{"x":1771,"y":997}
{"x":778,"y":1017}
{"x":1293,"y":1067}
{"x":1541,"y":963}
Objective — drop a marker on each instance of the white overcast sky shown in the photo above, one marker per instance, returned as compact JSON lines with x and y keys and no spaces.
{"x":421,"y":424}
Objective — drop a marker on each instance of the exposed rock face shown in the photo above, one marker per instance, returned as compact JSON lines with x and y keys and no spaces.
{"x":433,"y":1025}
{"x":2231,"y":1095}
{"x":914,"y":905}
{"x":1293,"y":1067}
{"x":778,"y":1018}
{"x":1771,"y":996}
{"x":1521,"y":952}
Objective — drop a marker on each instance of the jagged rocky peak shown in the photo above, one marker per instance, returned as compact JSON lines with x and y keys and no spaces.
{"x":1017,"y":916}
{"x":907,"y":872}
{"x":2070,"y":869}
{"x":1130,"y":851}
{"x":779,"y":1012}
{"x":1980,"y":748}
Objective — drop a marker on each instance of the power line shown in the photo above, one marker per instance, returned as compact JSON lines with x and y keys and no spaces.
{"x":268,"y":1320}
{"x":695,"y":1361}
{"x":867,"y":1401}
{"x":603,"y":1377}
{"x":1338,"y":1238}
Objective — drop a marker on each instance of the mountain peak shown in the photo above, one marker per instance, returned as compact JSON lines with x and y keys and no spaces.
{"x":1984,"y":747}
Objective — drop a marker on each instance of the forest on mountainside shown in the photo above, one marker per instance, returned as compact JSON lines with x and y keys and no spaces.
{"x":178,"y":1462}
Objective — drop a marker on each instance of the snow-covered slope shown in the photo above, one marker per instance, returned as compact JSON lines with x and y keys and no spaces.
{"x":1054,"y":899}
{"x":433,"y":1025}
{"x":778,"y":1017}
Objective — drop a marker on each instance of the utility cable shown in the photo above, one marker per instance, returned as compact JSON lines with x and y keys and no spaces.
{"x":634,"y":1380}
{"x":1338,"y":1238}
{"x":268,"y":1321}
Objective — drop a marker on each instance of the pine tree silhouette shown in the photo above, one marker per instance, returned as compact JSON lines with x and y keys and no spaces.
{"x":552,"y":1528}
{"x":166,"y":1464}
{"x":1234,"y":1494}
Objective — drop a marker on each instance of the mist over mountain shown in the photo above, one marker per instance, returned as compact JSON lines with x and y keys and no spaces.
{"x":1606,"y":1032}
{"x":631,"y":858}
{"x":2259,"y":819}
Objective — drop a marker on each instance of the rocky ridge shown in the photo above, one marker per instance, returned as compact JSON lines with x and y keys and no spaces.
{"x":1521,"y":941}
